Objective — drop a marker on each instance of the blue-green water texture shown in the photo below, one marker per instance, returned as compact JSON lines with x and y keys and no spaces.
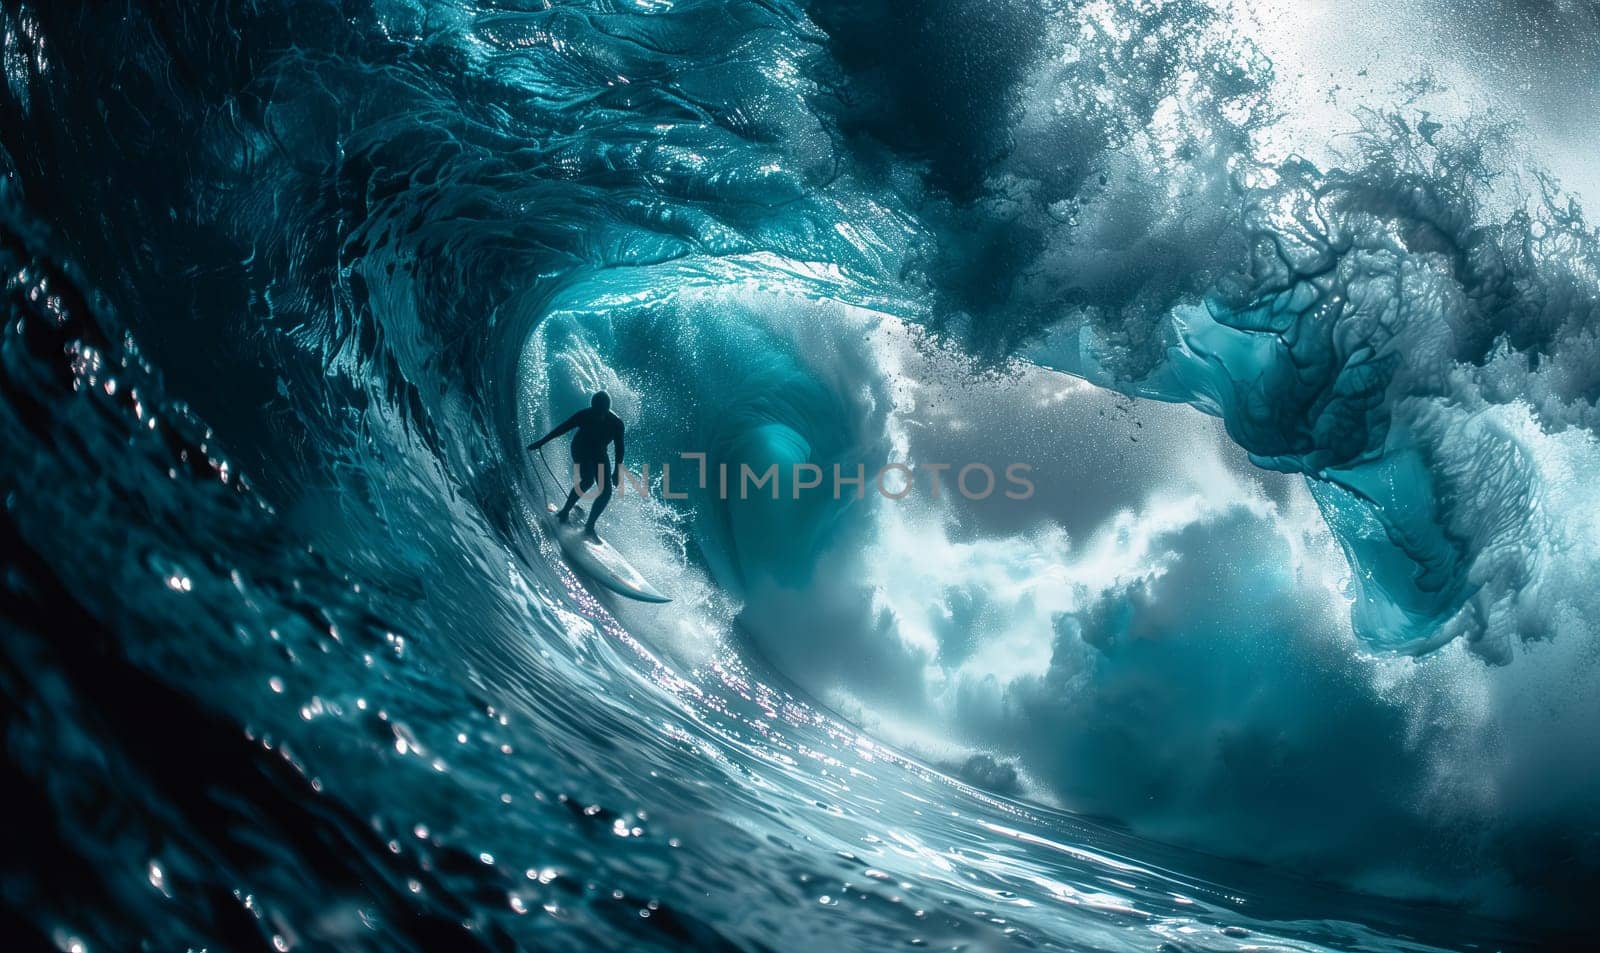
{"x":289,"y":663}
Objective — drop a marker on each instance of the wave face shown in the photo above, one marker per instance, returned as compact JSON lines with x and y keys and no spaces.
{"x":1294,"y":646}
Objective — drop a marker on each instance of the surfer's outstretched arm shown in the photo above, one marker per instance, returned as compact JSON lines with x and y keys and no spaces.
{"x":561,"y":429}
{"x":616,"y":471}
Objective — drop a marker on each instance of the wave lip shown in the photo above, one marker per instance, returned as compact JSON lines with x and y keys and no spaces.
{"x":340,"y":237}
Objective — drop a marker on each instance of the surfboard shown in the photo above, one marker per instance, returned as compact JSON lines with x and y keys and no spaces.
{"x":599,"y":561}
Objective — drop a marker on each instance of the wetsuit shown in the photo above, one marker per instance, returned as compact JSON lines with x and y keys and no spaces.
{"x":596,"y":430}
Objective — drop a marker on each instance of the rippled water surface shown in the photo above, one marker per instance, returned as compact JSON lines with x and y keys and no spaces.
{"x":289,"y":661}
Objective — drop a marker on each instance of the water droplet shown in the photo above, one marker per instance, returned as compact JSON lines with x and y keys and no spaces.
{"x":158,"y":878}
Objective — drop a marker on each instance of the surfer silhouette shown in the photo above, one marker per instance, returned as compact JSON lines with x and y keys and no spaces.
{"x":597,"y":428}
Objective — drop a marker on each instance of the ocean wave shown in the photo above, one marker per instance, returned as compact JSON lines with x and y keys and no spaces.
{"x":379,"y":247}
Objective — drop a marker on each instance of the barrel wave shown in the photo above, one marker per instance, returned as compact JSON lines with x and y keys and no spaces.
{"x":1291,"y":644}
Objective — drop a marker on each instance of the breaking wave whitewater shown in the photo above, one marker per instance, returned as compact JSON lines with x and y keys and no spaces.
{"x":1294,"y":645}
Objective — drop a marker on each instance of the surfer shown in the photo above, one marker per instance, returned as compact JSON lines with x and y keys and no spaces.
{"x":597,"y":429}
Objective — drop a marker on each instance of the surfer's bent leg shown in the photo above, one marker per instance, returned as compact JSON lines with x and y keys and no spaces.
{"x":587,"y":474}
{"x":600,"y":501}
{"x":572,"y":500}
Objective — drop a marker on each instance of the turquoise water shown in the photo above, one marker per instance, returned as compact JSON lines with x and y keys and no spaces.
{"x":1293,"y":650}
